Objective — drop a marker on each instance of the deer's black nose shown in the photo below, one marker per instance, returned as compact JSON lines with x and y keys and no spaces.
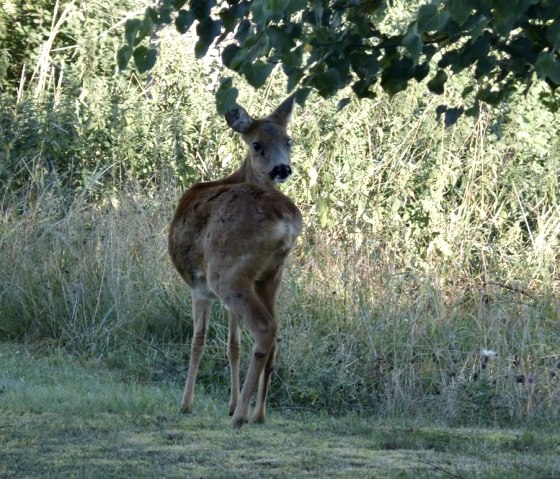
{"x":280,"y":172}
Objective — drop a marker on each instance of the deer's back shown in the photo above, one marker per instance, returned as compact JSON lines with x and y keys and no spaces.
{"x":239,"y":224}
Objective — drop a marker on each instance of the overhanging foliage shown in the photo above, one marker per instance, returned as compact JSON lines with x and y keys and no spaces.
{"x":327,"y":45}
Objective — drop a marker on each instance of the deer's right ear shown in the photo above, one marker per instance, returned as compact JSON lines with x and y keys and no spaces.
{"x":238,"y":119}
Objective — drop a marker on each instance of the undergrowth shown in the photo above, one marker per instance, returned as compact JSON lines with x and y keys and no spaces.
{"x":425,"y":282}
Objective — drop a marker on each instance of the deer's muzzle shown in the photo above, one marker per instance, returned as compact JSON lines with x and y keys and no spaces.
{"x":280,"y":173}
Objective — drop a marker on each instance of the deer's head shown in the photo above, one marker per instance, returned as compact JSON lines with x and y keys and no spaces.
{"x":268,"y":142}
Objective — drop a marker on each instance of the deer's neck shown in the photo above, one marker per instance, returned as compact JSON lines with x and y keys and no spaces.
{"x":246,"y":174}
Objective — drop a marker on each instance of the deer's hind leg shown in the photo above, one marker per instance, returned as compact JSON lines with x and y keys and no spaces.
{"x":241,"y":299}
{"x":263,"y":329}
{"x":267,"y":292}
{"x":201,"y":315}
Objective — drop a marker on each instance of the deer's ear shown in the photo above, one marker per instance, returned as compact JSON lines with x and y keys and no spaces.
{"x":238,"y":119}
{"x":283,"y":113}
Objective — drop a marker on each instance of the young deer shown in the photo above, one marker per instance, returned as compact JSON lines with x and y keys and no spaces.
{"x":229,"y":240}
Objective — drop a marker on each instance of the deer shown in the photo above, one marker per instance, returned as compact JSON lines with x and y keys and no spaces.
{"x":229,"y":240}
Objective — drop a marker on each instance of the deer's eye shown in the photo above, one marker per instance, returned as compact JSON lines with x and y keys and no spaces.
{"x":257,"y":147}
{"x":289,"y":142}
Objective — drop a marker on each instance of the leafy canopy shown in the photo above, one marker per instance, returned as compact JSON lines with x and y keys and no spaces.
{"x":327,"y":45}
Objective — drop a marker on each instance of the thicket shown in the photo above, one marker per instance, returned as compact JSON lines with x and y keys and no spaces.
{"x":426,"y":280}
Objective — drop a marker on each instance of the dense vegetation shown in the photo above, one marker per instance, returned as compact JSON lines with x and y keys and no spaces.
{"x":426,"y":281}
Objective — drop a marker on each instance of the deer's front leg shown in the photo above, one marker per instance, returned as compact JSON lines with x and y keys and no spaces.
{"x":233,"y":355}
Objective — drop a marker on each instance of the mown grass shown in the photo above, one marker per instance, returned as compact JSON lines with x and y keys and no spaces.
{"x":61,"y":418}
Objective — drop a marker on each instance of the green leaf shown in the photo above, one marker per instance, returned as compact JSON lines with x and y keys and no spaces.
{"x":523,"y":47}
{"x":362,"y":89}
{"x":553,"y":35}
{"x":178,"y":4}
{"x":147,"y":25}
{"x":488,"y":96}
{"x":292,"y":58}
{"x":123,"y":56}
{"x":152,"y":15}
{"x":277,"y":7}
{"x":474,"y":110}
{"x":396,"y":76}
{"x":228,"y":55}
{"x":207,"y":30}
{"x":467,"y":91}
{"x":327,"y":83}
{"x":244,"y":29}
{"x":413,"y":43}
{"x":431,"y":19}
{"x":260,"y":12}
{"x":452,"y":115}
{"x":459,"y":10}
{"x":295,"y":30}
{"x":477,"y":25}
{"x":144,"y":58}
{"x":484,"y":7}
{"x":294,"y":75}
{"x":364,"y":64}
{"x":508,"y":13}
{"x":239,"y":10}
{"x":440,"y":110}
{"x":471,"y":51}
{"x":504,"y":16}
{"x":226,"y":96}
{"x":323,"y":206}
{"x":548,"y":66}
{"x":429,"y":51}
{"x":279,"y":39}
{"x":484,"y":66}
{"x":436,"y":84}
{"x":301,"y":95}
{"x":165,"y":11}
{"x":201,"y":8}
{"x":183,"y":21}
{"x":257,"y":73}
{"x":421,"y":71}
{"x":131,"y":28}
{"x":295,"y":6}
{"x":342,"y":104}
{"x":228,"y":19}
{"x":550,"y":10}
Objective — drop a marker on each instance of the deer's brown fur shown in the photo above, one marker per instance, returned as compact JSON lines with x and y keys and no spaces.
{"x":229,"y":240}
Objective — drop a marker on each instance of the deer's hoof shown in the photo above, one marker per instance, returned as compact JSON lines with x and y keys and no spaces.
{"x":237,"y":422}
{"x":259,"y":419}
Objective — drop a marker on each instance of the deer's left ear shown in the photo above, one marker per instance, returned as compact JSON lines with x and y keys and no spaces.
{"x":283,"y":113}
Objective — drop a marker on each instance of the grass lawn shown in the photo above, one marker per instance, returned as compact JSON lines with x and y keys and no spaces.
{"x":60,"y":419}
